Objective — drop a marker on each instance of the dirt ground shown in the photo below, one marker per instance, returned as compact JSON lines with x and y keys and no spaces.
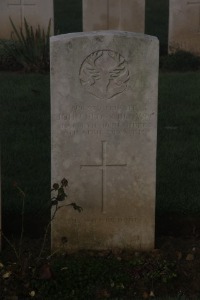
{"x":177,"y":239}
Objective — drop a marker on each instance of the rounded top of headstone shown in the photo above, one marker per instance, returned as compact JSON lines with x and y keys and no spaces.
{"x":104,"y":33}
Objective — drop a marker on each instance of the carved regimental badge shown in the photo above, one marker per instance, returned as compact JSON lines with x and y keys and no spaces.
{"x":104,"y":73}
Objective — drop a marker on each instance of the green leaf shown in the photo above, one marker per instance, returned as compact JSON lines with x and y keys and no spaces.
{"x":54,"y":202}
{"x":15,"y":31}
{"x":61,"y":194}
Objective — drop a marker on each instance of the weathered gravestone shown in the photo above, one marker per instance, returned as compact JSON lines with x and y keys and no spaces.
{"x":36,"y":12}
{"x":184,"y":26}
{"x":104,"y":111}
{"x":127,"y":15}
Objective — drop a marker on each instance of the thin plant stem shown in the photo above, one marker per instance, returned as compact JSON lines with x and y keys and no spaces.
{"x":44,"y":241}
{"x":47,"y":229}
{"x":45,"y":234}
{"x":22,"y":220}
{"x":10,"y":244}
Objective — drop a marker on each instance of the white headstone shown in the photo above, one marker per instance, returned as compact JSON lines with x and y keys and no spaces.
{"x":127,"y":15}
{"x":184,"y":26}
{"x":104,"y":125}
{"x":36,"y":12}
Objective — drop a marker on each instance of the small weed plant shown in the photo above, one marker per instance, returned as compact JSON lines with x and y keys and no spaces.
{"x":18,"y":279}
{"x":90,"y":275}
{"x":180,"y":61}
{"x":7,"y":61}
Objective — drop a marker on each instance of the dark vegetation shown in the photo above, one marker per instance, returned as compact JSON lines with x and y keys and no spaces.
{"x":173,"y":268}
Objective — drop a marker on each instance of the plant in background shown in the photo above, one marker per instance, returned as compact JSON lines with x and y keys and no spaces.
{"x":17,"y":279}
{"x":180,"y":61}
{"x":32,"y":47}
{"x":7,"y":61}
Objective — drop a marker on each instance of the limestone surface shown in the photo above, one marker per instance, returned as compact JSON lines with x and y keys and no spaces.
{"x":103,"y":134}
{"x":184,"y":26}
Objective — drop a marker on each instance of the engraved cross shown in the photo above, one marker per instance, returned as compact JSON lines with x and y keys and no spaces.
{"x":103,"y":167}
{"x":21,"y":4}
{"x":197,"y":3}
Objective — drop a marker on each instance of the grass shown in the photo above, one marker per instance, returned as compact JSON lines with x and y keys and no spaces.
{"x":25,"y":138}
{"x":178,"y":162}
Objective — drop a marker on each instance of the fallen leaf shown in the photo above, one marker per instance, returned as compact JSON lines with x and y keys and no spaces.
{"x":120,"y":286}
{"x":64,"y":268}
{"x":103,"y":294}
{"x":179,"y":255}
{"x":112,"y":284}
{"x":151,"y":294}
{"x":190,"y":257}
{"x":46,"y":272}
{"x":32,"y":293}
{"x":1,"y":265}
{"x":145,"y":295}
{"x":7,"y":274}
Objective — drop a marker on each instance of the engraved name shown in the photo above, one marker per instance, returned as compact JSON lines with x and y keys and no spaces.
{"x":109,"y":120}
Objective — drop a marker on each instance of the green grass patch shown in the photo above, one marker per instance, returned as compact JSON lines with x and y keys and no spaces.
{"x":181,"y":61}
{"x":178,"y":160}
{"x":25,"y":138}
